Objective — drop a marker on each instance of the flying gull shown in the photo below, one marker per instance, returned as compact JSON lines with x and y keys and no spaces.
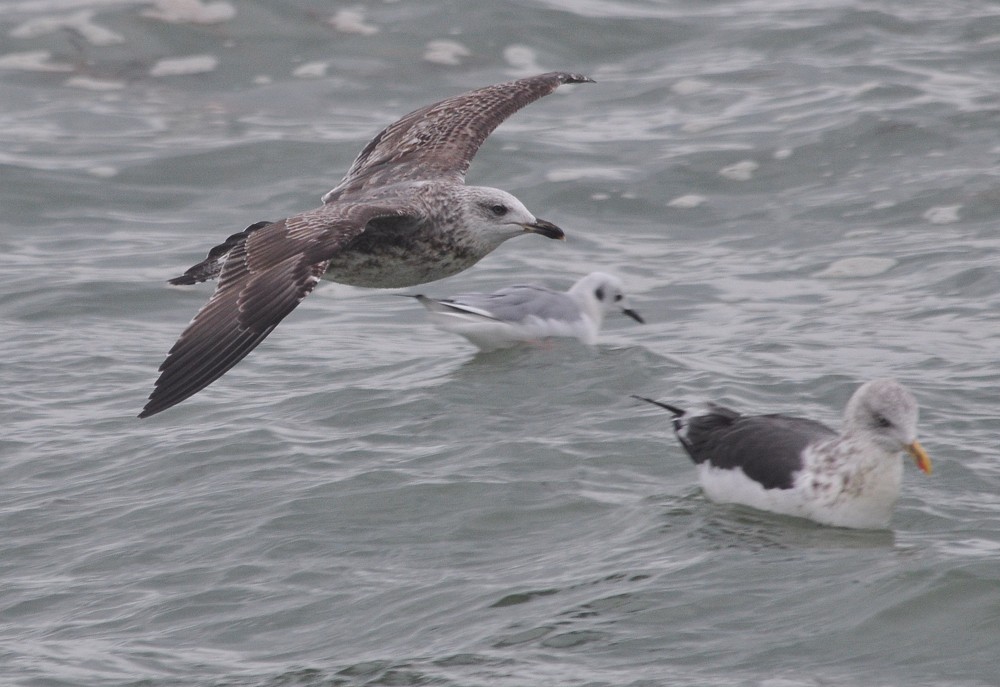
{"x":401,"y":216}
{"x":800,"y":467}
{"x":527,"y":312}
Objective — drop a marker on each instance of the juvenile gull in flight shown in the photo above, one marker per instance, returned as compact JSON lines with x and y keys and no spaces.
{"x":527,"y":312}
{"x":800,"y":467}
{"x":401,"y":216}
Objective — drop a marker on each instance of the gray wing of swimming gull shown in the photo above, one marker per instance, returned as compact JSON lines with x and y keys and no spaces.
{"x":266,"y":274}
{"x":768,"y":448}
{"x":439,"y":141}
{"x":516,"y":303}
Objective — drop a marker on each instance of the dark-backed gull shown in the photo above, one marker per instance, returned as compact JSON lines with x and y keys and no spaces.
{"x":401,"y":216}
{"x":801,"y":467}
{"x":528,"y":312}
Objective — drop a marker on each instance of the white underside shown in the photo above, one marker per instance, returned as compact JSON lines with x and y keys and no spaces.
{"x":866,"y":501}
{"x":490,"y":334}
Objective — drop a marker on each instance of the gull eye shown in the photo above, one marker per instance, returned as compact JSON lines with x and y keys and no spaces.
{"x":882,"y":421}
{"x":499,"y":210}
{"x":599,"y":293}
{"x":618,"y":297}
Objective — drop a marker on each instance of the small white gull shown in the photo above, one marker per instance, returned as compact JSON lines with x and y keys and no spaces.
{"x":800,"y":467}
{"x":401,"y":216}
{"x":528,"y":312}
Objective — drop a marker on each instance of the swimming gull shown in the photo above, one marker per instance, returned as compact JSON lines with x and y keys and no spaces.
{"x":401,"y":216}
{"x":801,"y":467}
{"x":528,"y":312}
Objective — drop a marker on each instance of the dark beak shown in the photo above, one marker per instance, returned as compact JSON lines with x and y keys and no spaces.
{"x":634,"y":315}
{"x":547,"y":229}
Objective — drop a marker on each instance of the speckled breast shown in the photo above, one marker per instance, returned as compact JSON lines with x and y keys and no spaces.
{"x":393,"y":257}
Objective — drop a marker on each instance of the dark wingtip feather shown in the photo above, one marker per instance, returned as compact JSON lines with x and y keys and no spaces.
{"x":565,"y":77}
{"x":153,"y":406}
{"x":677,"y":412}
{"x":179,"y":384}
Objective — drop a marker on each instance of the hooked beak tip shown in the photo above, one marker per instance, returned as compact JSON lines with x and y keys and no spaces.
{"x":546,"y":229}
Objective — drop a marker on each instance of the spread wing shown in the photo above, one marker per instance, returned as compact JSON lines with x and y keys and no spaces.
{"x":265,"y":275}
{"x":439,"y":141}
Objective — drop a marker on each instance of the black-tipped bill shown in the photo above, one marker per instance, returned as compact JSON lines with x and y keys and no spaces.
{"x":547,"y":229}
{"x":634,"y":315}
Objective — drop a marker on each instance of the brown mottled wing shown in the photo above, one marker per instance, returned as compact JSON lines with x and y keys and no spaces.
{"x":265,"y":276}
{"x":211,"y":266}
{"x":439,"y":141}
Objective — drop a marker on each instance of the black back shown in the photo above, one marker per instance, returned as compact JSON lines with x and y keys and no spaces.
{"x":767,"y":448}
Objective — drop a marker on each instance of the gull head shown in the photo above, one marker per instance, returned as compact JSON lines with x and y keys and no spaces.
{"x":495,"y":216}
{"x":885,"y":414}
{"x":599,"y":293}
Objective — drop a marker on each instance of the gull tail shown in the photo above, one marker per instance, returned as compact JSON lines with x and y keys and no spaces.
{"x":450,"y":308}
{"x":211,"y":266}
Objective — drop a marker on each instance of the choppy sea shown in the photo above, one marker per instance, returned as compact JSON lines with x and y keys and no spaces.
{"x":799,"y":196}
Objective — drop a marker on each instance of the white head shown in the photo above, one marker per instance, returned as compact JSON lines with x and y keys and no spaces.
{"x":599,"y":293}
{"x":495,"y":216}
{"x":885,"y":413}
